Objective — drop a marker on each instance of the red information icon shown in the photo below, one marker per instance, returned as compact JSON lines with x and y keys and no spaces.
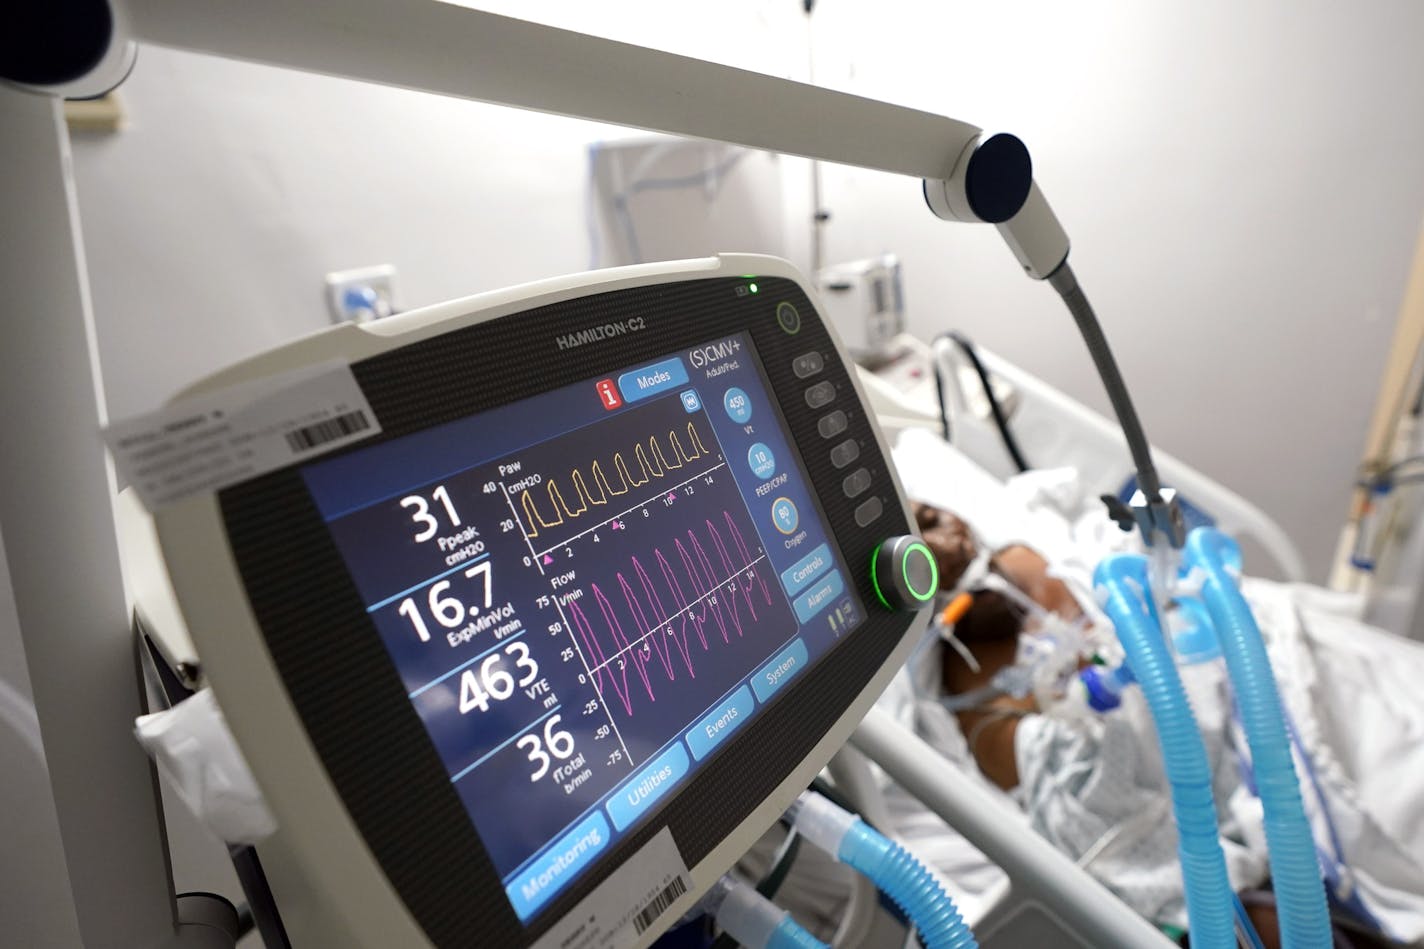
{"x":608,"y":392}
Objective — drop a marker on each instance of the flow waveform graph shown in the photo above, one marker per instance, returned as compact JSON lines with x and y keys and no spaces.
{"x":592,"y":487}
{"x":697,"y":593}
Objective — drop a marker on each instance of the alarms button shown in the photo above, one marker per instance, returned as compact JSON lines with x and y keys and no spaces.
{"x":856,"y":482}
{"x":822,"y":393}
{"x":904,"y":573}
{"x":832,"y":425}
{"x":807,"y":365}
{"x":844,"y":453}
{"x":868,"y":511}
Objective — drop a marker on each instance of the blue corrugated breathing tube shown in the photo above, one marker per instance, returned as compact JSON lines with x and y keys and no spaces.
{"x":1122,"y":581}
{"x":1300,"y":893}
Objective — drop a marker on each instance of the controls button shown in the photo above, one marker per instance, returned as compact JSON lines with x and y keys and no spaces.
{"x":832,"y":425}
{"x":795,"y":577}
{"x":717,"y":724}
{"x":789,"y":319}
{"x":562,"y":861}
{"x":761,"y":461}
{"x":738,"y":406}
{"x":784,"y":516}
{"x":807,"y":365}
{"x":856,"y":482}
{"x":820,"y":596}
{"x":822,"y":393}
{"x":868,"y":511}
{"x":844,"y":453}
{"x":690,"y":401}
{"x":904,"y":573}
{"x":640,"y":792}
{"x":650,"y":380}
{"x":772,"y":676}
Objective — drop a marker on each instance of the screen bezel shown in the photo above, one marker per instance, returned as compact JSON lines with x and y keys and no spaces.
{"x":288,"y":563}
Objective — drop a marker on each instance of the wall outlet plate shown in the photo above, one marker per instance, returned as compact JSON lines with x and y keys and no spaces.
{"x":379,"y":280}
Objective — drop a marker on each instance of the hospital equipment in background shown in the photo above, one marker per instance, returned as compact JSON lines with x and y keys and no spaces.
{"x":865,"y":301}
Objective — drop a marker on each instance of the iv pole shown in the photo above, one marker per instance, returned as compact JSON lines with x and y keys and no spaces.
{"x":56,"y":486}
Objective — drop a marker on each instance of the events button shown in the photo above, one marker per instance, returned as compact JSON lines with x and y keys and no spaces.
{"x":717,"y":724}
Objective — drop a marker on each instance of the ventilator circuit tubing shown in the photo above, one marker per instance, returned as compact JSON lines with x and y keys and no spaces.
{"x":899,"y":874}
{"x":755,"y":921}
{"x":1300,"y":894}
{"x":1208,"y":889}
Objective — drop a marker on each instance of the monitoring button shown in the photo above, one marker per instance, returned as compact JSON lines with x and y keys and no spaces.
{"x":638,"y":795}
{"x":820,"y":596}
{"x":856,"y":483}
{"x":717,"y":724}
{"x":868,"y":511}
{"x":807,"y":365}
{"x":564,"y":859}
{"x":789,"y":319}
{"x":650,"y":380}
{"x":775,"y":674}
{"x":822,"y":393}
{"x":795,"y":577}
{"x":844,"y":453}
{"x":832,"y":425}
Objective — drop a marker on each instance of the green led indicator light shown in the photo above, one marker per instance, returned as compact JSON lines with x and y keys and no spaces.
{"x":752,"y":287}
{"x":875,"y":577}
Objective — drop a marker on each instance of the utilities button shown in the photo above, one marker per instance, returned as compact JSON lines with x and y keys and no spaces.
{"x":789,"y":319}
{"x":822,"y":393}
{"x":868,"y":511}
{"x":844,"y":453}
{"x":807,"y":365}
{"x":832,"y":425}
{"x":856,"y":482}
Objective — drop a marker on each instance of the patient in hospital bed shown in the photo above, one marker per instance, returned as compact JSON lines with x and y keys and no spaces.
{"x":1093,"y":783}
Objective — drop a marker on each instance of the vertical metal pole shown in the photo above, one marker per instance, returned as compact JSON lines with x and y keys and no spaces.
{"x":57,"y":517}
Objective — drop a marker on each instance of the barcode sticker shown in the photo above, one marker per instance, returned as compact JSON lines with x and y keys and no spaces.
{"x":207,"y":442}
{"x":630,"y":907}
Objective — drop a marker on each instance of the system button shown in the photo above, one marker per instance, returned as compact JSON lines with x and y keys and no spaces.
{"x":822,"y":393}
{"x":789,"y":319}
{"x":772,"y":676}
{"x":856,"y":483}
{"x":562,"y":860}
{"x":844,"y":453}
{"x":651,"y":380}
{"x":832,"y":425}
{"x":738,"y":406}
{"x":795,"y":577}
{"x":868,"y":511}
{"x":640,"y":792}
{"x":820,"y":596}
{"x":717,"y":724}
{"x":807,"y":365}
{"x":784,"y":516}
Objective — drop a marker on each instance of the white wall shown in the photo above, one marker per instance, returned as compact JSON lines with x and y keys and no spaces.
{"x":1243,"y":184}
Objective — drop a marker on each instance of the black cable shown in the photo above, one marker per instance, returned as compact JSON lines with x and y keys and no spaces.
{"x":262,"y":905}
{"x":939,"y":390}
{"x":1001,"y":421}
{"x":1066,"y":284}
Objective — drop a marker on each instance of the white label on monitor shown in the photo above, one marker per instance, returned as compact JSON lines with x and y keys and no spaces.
{"x":627,"y":904}
{"x":208,"y":442}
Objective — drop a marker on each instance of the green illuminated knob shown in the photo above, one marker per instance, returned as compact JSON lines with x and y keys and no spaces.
{"x":904,"y":573}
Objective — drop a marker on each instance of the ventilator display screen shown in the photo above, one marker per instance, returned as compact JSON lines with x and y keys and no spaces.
{"x":587,"y":592}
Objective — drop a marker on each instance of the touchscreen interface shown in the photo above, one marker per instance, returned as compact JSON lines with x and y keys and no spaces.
{"x":588,"y":591}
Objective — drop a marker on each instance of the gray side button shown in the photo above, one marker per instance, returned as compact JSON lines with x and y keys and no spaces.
{"x":822,"y":393}
{"x":856,"y":482}
{"x":807,"y":365}
{"x":832,"y":425}
{"x":844,"y":453}
{"x":868,"y":511}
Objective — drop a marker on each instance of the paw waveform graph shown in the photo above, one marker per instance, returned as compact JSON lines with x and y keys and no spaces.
{"x":657,"y":459}
{"x":673,"y":610}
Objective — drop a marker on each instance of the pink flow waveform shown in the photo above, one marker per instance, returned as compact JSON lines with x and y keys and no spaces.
{"x":694,"y":599}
